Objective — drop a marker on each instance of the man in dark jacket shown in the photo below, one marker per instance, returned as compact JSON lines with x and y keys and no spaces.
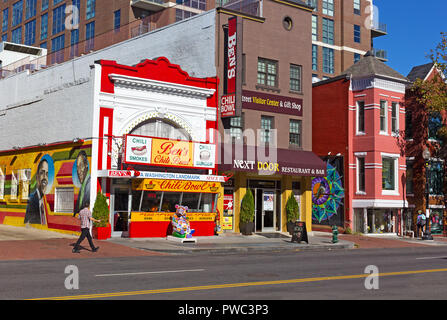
{"x":36,"y":210}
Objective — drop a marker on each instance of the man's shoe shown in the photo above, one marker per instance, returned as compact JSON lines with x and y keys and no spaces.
{"x":75,"y":250}
{"x":95,"y":249}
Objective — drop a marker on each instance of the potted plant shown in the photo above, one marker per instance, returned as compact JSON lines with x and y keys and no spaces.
{"x":101,"y":230}
{"x":292,"y":211}
{"x":247,"y":214}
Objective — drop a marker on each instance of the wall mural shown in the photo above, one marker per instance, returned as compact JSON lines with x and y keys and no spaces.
{"x":328,"y":195}
{"x":45,"y":187}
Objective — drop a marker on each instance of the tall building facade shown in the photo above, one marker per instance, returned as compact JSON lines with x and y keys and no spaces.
{"x":342,"y":32}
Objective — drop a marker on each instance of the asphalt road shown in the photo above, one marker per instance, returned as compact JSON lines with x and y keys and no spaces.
{"x":405,"y":273}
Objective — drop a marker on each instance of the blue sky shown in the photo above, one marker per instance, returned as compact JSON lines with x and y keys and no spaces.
{"x":414,"y":28}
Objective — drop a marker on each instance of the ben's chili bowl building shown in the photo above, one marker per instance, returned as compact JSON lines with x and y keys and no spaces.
{"x":156,"y":147}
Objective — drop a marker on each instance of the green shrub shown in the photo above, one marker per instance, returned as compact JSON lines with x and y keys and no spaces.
{"x":292,"y":209}
{"x":101,"y":210}
{"x":247,"y":207}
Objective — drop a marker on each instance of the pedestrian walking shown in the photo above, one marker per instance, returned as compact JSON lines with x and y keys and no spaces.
{"x":421,"y":220}
{"x":85,"y":215}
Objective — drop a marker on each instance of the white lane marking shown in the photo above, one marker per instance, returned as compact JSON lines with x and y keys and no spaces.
{"x":428,"y":258}
{"x":149,"y":272}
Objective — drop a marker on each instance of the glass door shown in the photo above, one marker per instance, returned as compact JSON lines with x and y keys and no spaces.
{"x":120,"y":210}
{"x":268,"y":211}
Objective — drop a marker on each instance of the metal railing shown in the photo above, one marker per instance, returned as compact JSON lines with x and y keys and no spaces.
{"x":380,"y":54}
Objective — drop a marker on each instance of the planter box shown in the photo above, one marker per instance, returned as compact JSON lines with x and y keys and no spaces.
{"x":102,"y":233}
{"x":246,"y":228}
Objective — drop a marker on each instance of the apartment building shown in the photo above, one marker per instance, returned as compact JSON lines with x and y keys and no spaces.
{"x":342,"y":32}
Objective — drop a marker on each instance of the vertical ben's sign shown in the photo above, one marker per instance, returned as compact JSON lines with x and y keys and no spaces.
{"x":228,"y":101}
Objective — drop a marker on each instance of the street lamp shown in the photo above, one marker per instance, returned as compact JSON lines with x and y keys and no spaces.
{"x":426,"y":155}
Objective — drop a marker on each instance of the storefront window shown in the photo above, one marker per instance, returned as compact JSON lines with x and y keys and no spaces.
{"x":136,"y":199}
{"x":436,"y":223}
{"x":151,"y":201}
{"x":191,"y":200}
{"x":206,"y":203}
{"x":170,"y":199}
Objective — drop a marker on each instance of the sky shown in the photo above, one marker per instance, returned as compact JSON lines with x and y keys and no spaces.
{"x":414,"y":28}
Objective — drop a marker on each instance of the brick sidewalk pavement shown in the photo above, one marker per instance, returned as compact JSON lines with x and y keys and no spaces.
{"x":61,"y":249}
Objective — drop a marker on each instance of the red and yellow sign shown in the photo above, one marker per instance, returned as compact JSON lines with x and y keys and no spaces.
{"x":172,"y":153}
{"x":176,"y":185}
{"x":167,"y":216}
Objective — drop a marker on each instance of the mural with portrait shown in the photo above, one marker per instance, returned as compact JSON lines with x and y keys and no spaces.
{"x":43,"y":186}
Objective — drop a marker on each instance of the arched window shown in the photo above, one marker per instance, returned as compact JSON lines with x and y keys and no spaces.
{"x":161,"y":128}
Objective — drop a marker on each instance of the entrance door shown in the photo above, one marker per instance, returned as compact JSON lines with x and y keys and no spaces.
{"x":268,"y":210}
{"x":120,"y":211}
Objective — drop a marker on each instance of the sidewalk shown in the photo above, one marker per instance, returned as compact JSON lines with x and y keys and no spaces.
{"x":21,"y":243}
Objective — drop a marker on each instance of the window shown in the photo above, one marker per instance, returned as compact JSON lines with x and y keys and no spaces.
{"x":314,"y":57}
{"x":43,"y":45}
{"x":383,"y":116}
{"x":5,"y":37}
{"x":59,"y":19}
{"x":30,"y":33}
{"x":196,"y":4}
{"x":183,"y":14}
{"x":117,"y":19}
{"x":44,"y":5}
{"x":408,"y":124}
{"x":90,"y":11}
{"x":17,"y":13}
{"x":161,"y":128}
{"x":314,"y":28}
{"x":357,"y":33}
{"x":55,"y":2}
{"x":409,"y":177}
{"x":389,"y":174}
{"x":328,"y":60}
{"x":16,"y":35}
{"x":236,"y":127}
{"x":328,"y":7}
{"x":74,"y":40}
{"x":266,"y":129}
{"x":313,"y":3}
{"x":361,"y":174}
{"x":30,"y":8}
{"x":44,"y":27}
{"x":434,"y":124}
{"x":5,"y":19}
{"x":295,"y":133}
{"x":360,"y":116}
{"x":394,"y":117}
{"x":267,"y":72}
{"x":64,"y":200}
{"x":357,"y":57}
{"x":328,"y":31}
{"x":295,"y":78}
{"x":435,"y":177}
{"x":90,"y":36}
{"x":2,"y":182}
{"x":357,"y":9}
{"x":57,"y":46}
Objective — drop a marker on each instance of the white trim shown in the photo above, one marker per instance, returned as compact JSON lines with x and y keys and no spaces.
{"x":95,"y":142}
{"x":360,"y":154}
{"x":379,"y":203}
{"x":390,"y":155}
{"x":395,"y":158}
{"x":338,"y":48}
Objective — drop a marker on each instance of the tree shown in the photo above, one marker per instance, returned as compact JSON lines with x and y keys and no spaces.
{"x":101,"y":210}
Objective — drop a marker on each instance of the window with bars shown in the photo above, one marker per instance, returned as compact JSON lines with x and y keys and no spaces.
{"x":314,"y":57}
{"x":328,"y":7}
{"x":5,"y":19}
{"x":17,"y":13}
{"x":266,"y":129}
{"x":295,"y":77}
{"x":357,"y":33}
{"x":44,"y":26}
{"x":295,"y":133}
{"x":357,"y":9}
{"x":30,"y":33}
{"x":90,"y":10}
{"x":314,"y":28}
{"x":328,"y":31}
{"x":267,"y":72}
{"x":328,"y":60}
{"x":59,"y":19}
{"x":64,"y":200}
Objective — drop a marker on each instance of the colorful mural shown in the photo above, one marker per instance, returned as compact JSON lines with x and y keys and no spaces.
{"x":328,"y":195}
{"x":45,"y":186}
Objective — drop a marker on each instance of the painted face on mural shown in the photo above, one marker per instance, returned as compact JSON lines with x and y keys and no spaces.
{"x":82,"y":166}
{"x":42,"y":177}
